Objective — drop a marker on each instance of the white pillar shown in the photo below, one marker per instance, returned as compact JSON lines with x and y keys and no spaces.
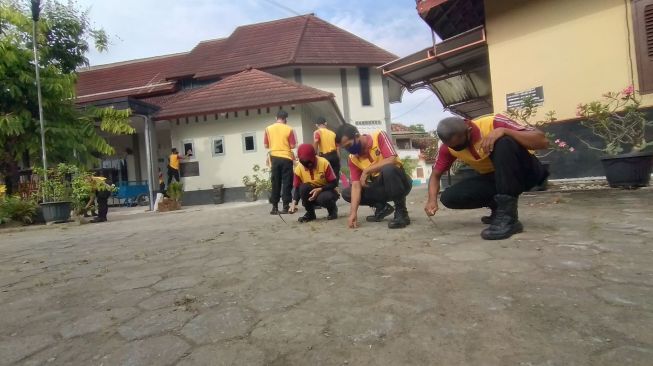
{"x":149,"y":131}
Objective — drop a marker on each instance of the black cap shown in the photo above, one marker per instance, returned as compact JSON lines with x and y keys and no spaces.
{"x":320,"y":120}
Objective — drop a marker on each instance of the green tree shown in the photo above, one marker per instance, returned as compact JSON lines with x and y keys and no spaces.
{"x":72,"y":133}
{"x":417,"y":127}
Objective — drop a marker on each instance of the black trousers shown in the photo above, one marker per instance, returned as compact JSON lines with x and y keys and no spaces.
{"x":102,"y":198}
{"x":334,"y":160}
{"x":172,"y":172}
{"x":282,"y":177}
{"x":515,"y":171}
{"x":324,"y":199}
{"x":391,"y":185}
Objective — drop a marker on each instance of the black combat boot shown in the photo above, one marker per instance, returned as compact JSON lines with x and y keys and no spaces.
{"x":401,"y":219}
{"x":506,"y":223}
{"x":333,"y":211}
{"x":308,"y":216}
{"x":275,"y":210}
{"x":381,"y":211}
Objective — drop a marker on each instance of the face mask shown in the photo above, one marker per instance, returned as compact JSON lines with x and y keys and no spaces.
{"x":462,"y":146}
{"x":307,"y":163}
{"x":355,"y":148}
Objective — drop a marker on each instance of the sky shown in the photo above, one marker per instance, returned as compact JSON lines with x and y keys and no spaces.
{"x":145,"y":28}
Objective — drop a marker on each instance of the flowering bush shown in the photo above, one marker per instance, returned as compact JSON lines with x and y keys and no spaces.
{"x":524,"y":115}
{"x":617,"y":120}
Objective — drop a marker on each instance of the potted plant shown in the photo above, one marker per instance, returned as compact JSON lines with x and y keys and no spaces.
{"x":618,"y":121}
{"x":257,"y":183}
{"x":175,"y":192}
{"x":55,"y":192}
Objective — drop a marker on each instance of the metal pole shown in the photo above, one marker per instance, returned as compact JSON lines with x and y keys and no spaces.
{"x":40,"y":99}
{"x":148,"y":157}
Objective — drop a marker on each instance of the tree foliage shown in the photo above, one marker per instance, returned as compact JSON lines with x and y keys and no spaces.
{"x":64,"y":37}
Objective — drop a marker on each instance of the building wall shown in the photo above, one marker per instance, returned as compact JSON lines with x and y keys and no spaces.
{"x":329,"y":80}
{"x":576,"y":49}
{"x":228,"y":169}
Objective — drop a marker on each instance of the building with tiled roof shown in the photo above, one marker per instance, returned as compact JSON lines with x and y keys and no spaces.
{"x":216,"y":99}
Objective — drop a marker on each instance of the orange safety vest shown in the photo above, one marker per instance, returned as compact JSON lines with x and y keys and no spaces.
{"x":278,"y":135}
{"x":374,"y":153}
{"x":317,"y":176}
{"x":327,"y":142}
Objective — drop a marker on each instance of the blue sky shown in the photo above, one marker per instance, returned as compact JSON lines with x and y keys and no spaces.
{"x":144,"y":28}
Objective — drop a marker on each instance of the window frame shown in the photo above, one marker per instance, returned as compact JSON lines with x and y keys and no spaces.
{"x":365,"y":82}
{"x":183,"y":152}
{"x":224,"y":148}
{"x":243,"y":137}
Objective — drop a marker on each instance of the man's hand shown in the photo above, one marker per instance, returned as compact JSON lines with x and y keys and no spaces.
{"x":487,"y":144}
{"x":293,"y":207}
{"x":431,"y":207}
{"x":314,"y":193}
{"x":364,"y":176}
{"x":353,"y":221}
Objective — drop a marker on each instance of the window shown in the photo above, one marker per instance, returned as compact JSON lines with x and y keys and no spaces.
{"x":364,"y":76}
{"x":298,"y":75}
{"x":217,"y":146}
{"x":643,"y":26}
{"x":188,"y":149}
{"x":249,"y":142}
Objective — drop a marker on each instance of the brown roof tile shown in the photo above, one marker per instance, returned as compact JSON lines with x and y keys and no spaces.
{"x":132,"y":78}
{"x":246,"y":90}
{"x":196,"y":57}
{"x":302,"y":40}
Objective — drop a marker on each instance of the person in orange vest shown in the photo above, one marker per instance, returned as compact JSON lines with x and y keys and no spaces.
{"x":314,"y":182}
{"x":173,"y":165}
{"x":377,"y":176}
{"x":324,"y":141}
{"x":280,"y":140}
{"x":498,"y":149}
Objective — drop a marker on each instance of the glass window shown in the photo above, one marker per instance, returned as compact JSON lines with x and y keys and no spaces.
{"x":249,"y":142}
{"x":218,"y":146}
{"x":364,"y":76}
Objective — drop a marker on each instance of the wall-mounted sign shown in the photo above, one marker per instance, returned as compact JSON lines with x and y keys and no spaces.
{"x":190,"y":169}
{"x":516,"y":100}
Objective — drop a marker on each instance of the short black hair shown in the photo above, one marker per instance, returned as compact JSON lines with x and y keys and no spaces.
{"x":451,"y":126}
{"x":346,"y":130}
{"x":320,"y":120}
{"x":174,"y":150}
{"x":282,"y":115}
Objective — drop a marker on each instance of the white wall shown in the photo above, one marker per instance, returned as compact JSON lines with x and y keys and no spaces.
{"x":228,"y":169}
{"x":328,"y":79}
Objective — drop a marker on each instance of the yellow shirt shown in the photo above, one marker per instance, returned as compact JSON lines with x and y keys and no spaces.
{"x":174,"y":161}
{"x":374,"y":155}
{"x":474,"y":156}
{"x":326,"y":140}
{"x":317,"y":177}
{"x":278,"y":137}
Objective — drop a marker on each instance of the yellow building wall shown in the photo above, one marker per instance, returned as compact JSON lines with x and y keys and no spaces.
{"x":576,"y":49}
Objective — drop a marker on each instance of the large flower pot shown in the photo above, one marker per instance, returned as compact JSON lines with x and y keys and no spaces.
{"x":629,"y":171}
{"x":56,"y":211}
{"x":250,"y":194}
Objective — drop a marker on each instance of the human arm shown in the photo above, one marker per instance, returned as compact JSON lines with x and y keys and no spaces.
{"x":442,"y":164}
{"x":528,"y":137}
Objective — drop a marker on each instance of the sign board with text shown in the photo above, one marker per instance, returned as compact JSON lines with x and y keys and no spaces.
{"x":516,"y":100}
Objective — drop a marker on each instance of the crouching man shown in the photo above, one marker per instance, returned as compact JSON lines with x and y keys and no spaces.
{"x":314,"y":182}
{"x":377,"y":177}
{"x":499,"y":150}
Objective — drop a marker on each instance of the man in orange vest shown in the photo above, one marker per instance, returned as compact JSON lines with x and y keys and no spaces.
{"x":173,"y":165}
{"x":377,"y":176}
{"x":324,"y":141}
{"x":498,"y":149}
{"x":280,"y":140}
{"x":315,"y":184}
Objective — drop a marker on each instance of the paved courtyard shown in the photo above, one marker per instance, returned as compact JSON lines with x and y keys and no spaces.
{"x":236,"y":286}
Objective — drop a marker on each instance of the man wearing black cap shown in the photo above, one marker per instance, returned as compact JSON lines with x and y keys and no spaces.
{"x":280,"y":140}
{"x":324,"y":141}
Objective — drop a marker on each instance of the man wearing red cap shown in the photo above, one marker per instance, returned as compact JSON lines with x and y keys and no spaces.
{"x":315,"y":184}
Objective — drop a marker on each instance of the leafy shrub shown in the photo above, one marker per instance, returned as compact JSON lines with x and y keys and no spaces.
{"x":16,"y":209}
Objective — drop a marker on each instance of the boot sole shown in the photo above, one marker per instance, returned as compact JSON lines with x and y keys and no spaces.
{"x":374,"y":219}
{"x":518,"y":228}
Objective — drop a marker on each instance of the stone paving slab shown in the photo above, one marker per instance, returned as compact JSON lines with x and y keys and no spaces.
{"x":236,"y":286}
